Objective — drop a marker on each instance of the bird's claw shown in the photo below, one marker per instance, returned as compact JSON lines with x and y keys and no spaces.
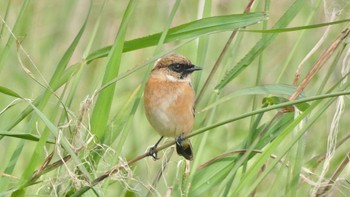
{"x":179,"y":139}
{"x":153,"y":153}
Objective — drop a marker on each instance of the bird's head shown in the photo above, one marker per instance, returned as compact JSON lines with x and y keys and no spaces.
{"x":174,"y":67}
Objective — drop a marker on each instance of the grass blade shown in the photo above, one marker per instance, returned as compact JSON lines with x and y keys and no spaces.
{"x":100,"y":114}
{"x":9,"y":92}
{"x":290,"y":29}
{"x":21,"y":135}
{"x":261,"y":45}
{"x":187,"y":31}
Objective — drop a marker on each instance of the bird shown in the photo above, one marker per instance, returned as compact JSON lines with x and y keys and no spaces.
{"x":169,"y":102}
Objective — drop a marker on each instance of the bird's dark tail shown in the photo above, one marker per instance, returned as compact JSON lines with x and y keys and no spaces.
{"x":184,"y":147}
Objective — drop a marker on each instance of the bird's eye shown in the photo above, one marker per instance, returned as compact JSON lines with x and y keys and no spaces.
{"x":176,"y":67}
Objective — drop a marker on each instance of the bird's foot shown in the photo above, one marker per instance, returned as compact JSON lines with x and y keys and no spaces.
{"x":179,"y":140}
{"x":153,"y":152}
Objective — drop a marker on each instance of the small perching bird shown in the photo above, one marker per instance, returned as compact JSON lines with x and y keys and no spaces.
{"x":169,"y":101}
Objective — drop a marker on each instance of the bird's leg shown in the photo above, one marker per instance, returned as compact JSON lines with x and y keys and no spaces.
{"x":153,"y":150}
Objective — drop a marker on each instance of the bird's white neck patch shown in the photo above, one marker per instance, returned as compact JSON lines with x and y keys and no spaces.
{"x":174,"y":79}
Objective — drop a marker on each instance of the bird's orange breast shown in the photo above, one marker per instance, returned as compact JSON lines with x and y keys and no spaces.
{"x":169,"y":106}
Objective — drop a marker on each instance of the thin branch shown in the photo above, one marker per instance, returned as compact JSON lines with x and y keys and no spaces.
{"x":335,"y":175}
{"x":320,"y":62}
{"x":217,"y":158}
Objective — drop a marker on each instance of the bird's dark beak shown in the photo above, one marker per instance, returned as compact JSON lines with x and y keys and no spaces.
{"x":193,"y":68}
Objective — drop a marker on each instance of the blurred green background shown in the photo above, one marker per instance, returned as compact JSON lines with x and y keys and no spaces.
{"x":35,"y":35}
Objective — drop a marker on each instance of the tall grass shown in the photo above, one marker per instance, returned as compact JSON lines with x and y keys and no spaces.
{"x":271,"y":111}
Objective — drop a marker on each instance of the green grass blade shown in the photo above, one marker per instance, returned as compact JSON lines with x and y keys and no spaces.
{"x":21,"y":135}
{"x":9,"y":92}
{"x":290,"y":29}
{"x":100,"y":114}
{"x":187,"y":31}
{"x":261,"y":45}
